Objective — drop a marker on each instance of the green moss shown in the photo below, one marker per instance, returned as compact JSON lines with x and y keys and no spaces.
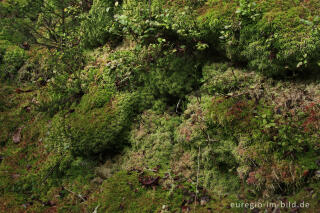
{"x":99,"y":124}
{"x":150,"y":108}
{"x":124,"y":193}
{"x":152,"y":141}
{"x":274,"y":38}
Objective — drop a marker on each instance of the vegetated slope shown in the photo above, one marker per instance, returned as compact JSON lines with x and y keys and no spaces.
{"x":126,"y":106}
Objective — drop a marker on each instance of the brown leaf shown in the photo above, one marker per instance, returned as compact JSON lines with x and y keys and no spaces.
{"x":185,"y":209}
{"x":149,"y":181}
{"x":17,"y":135}
{"x":15,"y":176}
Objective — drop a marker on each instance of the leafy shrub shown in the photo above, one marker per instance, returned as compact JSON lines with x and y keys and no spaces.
{"x":160,"y":70}
{"x":62,"y":91}
{"x":99,"y":27}
{"x":38,"y":68}
{"x":65,"y":85}
{"x":214,"y":22}
{"x":275,"y":39}
{"x":123,"y":68}
{"x":149,"y":21}
{"x":12,"y":60}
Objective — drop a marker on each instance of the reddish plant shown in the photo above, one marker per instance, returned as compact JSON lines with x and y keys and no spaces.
{"x":312,"y":122}
{"x":252,"y":178}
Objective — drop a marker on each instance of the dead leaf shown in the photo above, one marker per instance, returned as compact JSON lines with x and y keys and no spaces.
{"x":185,"y":209}
{"x":149,"y":181}
{"x":15,"y":176}
{"x":17,"y":135}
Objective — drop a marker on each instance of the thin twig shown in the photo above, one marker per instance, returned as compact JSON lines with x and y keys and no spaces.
{"x":78,"y":195}
{"x":96,"y":209}
{"x":178,"y":105}
{"x":195,"y":200}
{"x":49,"y":173}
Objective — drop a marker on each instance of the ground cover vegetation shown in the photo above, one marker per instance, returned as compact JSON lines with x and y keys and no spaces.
{"x":159,"y":106}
